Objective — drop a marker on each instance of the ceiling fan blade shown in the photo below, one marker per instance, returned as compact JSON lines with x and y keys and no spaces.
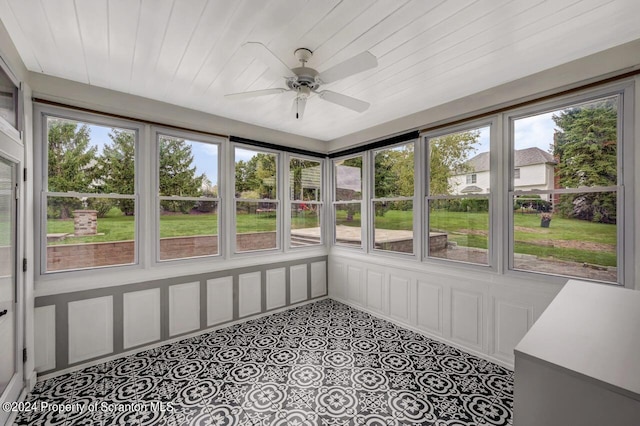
{"x":262,"y":53}
{"x":299,"y":105}
{"x":344,"y":100}
{"x":358,"y":63}
{"x":256,"y":93}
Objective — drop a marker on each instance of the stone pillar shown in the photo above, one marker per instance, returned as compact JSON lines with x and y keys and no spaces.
{"x":85,"y":222}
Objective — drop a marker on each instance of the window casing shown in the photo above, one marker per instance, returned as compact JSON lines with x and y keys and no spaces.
{"x":393,"y":199}
{"x":257,"y":204}
{"x":89,"y":194}
{"x":189,"y":202}
{"x":9,"y":100}
{"x":306,"y":193}
{"x":347,"y":204}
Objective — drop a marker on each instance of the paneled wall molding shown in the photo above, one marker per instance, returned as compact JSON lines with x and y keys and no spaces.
{"x":483,"y":314}
{"x":89,"y":326}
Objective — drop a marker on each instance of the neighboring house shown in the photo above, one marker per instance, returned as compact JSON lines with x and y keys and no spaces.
{"x":533,"y":169}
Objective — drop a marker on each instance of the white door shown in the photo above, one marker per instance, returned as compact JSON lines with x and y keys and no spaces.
{"x":11,"y":314}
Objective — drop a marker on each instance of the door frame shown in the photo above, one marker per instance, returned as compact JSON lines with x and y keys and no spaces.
{"x":13,"y":150}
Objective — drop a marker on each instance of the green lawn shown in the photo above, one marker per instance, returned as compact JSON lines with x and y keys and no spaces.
{"x":530,"y":238}
{"x":467,"y":229}
{"x":117,"y":227}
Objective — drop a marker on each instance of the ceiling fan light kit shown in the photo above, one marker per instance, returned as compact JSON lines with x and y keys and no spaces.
{"x":304,"y":80}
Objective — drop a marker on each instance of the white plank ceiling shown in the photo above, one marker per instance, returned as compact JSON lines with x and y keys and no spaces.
{"x":188,"y":52}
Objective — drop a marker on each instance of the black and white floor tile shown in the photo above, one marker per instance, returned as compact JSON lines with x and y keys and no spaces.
{"x":319,"y":364}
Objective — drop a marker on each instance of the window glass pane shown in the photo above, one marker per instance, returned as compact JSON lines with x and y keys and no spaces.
{"x":85,"y":157}
{"x":255,"y":175}
{"x":305,"y":180}
{"x":256,"y":224}
{"x":568,"y":148}
{"x":459,"y":229}
{"x":188,"y":235}
{"x":394,"y":172}
{"x":459,"y":163}
{"x":393,"y":224}
{"x":8,"y":99}
{"x":188,"y":168}
{"x":567,"y":234}
{"x":555,"y":244}
{"x":305,"y":224}
{"x":89,"y":232}
{"x":348,"y":179}
{"x":348,"y":231}
{"x":188,"y":228}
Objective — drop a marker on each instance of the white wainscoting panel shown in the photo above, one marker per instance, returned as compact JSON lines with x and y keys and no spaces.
{"x":399,"y":298}
{"x":298,"y":283}
{"x":90,"y":328}
{"x":511,"y":323}
{"x":141,"y":317}
{"x":354,"y":284}
{"x":338,"y":281}
{"x":45,"y":338}
{"x":219,"y":300}
{"x":276,"y":288}
{"x":375,"y":291}
{"x":466,"y":317}
{"x":477,"y":311}
{"x":318,"y":279}
{"x":184,"y":308}
{"x":430,"y":307}
{"x":249,"y":294}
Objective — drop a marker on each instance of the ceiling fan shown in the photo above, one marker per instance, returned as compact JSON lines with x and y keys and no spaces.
{"x":304,"y":80}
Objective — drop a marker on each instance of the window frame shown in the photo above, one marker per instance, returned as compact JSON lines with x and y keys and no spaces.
{"x":625,"y":154}
{"x":16,"y":131}
{"x":41,"y":113}
{"x":492,"y":197}
{"x":287,"y":157}
{"x":233,"y":253}
{"x":371,"y":199}
{"x":364,"y":189}
{"x":156,"y":132}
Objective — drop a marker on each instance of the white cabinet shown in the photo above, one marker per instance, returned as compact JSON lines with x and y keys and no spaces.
{"x":578,"y":364}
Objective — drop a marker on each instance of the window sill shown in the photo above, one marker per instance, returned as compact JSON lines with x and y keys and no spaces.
{"x":65,"y":282}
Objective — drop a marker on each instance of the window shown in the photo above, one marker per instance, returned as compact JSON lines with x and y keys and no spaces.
{"x":8,"y":99}
{"x":458,"y":210}
{"x":472,"y":178}
{"x":305,"y":194}
{"x":516,"y":173}
{"x":566,"y":206}
{"x":256,"y":200}
{"x":348,"y":201}
{"x":90,"y":195}
{"x":189,"y":200}
{"x":392,"y":203}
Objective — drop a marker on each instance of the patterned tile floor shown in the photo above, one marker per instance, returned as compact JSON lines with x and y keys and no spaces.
{"x":319,"y":364}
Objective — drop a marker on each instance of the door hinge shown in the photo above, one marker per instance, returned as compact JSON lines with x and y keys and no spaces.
{"x":24,"y":174}
{"x":24,"y":264}
{"x":17,"y":192}
{"x":24,"y":355}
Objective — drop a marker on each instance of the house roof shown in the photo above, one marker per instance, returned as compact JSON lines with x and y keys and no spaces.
{"x":471,"y":189}
{"x":523,"y":157}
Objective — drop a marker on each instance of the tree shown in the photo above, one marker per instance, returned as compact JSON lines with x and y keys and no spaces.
{"x":256,"y":176}
{"x":116,"y":169}
{"x":177,"y":176}
{"x":394,"y":177}
{"x":586,"y":150}
{"x":71,"y":164}
{"x":447,"y":157}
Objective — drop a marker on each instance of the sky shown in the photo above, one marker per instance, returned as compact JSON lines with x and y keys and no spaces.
{"x":535,"y":131}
